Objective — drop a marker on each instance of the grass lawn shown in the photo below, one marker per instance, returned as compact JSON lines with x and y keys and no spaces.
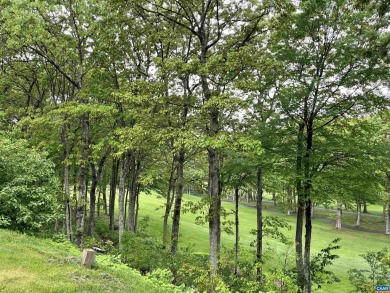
{"x":353,"y":242}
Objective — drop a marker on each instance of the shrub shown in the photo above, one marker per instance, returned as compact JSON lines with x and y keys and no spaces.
{"x":379,"y":273}
{"x":28,"y":187}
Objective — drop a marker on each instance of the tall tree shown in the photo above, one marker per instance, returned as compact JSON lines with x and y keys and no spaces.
{"x":333,"y":64}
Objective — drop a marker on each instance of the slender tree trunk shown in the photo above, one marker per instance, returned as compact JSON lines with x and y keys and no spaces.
{"x":365,"y":211}
{"x":135,"y":166}
{"x":359,"y":212}
{"x":92,"y":202}
{"x":124,"y":167}
{"x":136,"y":209}
{"x":289,"y":200}
{"x":388,"y":206}
{"x":114,"y":179}
{"x":104,"y":194}
{"x":96,"y":174}
{"x":236,"y":196}
{"x":339,"y":213}
{"x":259,"y":224}
{"x":168,"y":204}
{"x":274,"y":198}
{"x":178,"y":200}
{"x":75,"y":199}
{"x":99,"y":202}
{"x":308,"y":206}
{"x":388,"y":218}
{"x":82,"y":192}
{"x":214,"y":211}
{"x":384,"y":208}
{"x":300,"y":210}
{"x":312,"y":206}
{"x":68,"y":218}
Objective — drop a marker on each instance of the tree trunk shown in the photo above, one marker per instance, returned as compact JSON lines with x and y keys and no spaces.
{"x":104,"y":193}
{"x":82,"y":191}
{"x":274,"y":198}
{"x":289,"y":200}
{"x":259,"y":224}
{"x":359,"y":212}
{"x":168,"y":204}
{"x":365,"y":211}
{"x":178,"y":200}
{"x":236,"y":196}
{"x":339,"y":213}
{"x":135,"y":166}
{"x":114,"y":179}
{"x":99,"y":202}
{"x":214,"y":210}
{"x":388,"y":218}
{"x":92,"y":201}
{"x":384,"y":212}
{"x":136,"y":209}
{"x":68,"y":218}
{"x":300,"y":210}
{"x":308,"y":206}
{"x":75,"y":199}
{"x":312,"y":209}
{"x":96,"y":174}
{"x":388,"y":206}
{"x":124,"y":167}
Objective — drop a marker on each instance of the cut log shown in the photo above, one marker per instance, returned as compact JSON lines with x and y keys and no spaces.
{"x":100,"y":250}
{"x":88,"y":258}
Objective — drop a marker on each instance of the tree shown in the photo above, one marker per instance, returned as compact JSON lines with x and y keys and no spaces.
{"x":334,"y":66}
{"x":218,"y":29}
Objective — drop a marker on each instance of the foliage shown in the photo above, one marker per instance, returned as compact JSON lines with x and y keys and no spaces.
{"x":29,"y":189}
{"x":319,"y":263}
{"x":379,"y":273}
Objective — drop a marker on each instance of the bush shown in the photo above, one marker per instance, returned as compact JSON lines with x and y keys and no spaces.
{"x":379,"y":273}
{"x":28,"y":187}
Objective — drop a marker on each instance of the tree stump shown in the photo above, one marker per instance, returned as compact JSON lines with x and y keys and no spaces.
{"x":88,"y":258}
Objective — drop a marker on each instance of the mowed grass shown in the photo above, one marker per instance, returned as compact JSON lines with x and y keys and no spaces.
{"x":353,"y":242}
{"x":29,"y":264}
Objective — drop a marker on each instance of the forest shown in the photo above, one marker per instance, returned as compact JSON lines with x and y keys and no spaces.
{"x":205,"y":110}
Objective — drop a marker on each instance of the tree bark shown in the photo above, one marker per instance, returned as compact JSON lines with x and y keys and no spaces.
{"x":259,"y":224}
{"x":68,"y":218}
{"x":135,"y":166}
{"x":124,"y":167}
{"x":114,"y":179}
{"x":339,"y":213}
{"x":96,"y":174}
{"x":178,"y":200}
{"x":104,"y":194}
{"x":236,"y":198}
{"x":300,"y":210}
{"x":82,"y":190}
{"x":359,"y":212}
{"x":388,"y":206}
{"x":214,"y":211}
{"x":308,"y":204}
{"x":168,"y":203}
{"x":365,"y":211}
{"x":92,"y":201}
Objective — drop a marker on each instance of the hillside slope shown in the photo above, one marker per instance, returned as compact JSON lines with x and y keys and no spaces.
{"x":29,"y":264}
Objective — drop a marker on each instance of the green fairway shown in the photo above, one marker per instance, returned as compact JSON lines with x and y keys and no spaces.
{"x":353,"y":243}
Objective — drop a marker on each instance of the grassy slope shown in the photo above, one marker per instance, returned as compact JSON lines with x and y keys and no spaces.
{"x":353,"y":243}
{"x":29,"y":264}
